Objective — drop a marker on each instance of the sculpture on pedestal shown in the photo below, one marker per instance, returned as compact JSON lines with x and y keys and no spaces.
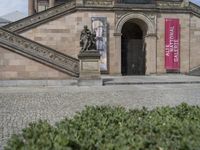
{"x":87,"y":40}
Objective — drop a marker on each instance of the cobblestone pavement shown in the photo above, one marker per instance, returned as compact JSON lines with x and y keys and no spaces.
{"x":22,"y":105}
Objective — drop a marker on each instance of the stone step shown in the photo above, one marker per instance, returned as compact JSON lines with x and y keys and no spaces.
{"x":195,"y":72}
{"x":150,"y":80}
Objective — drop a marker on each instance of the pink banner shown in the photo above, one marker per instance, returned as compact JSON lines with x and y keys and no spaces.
{"x":172,"y":44}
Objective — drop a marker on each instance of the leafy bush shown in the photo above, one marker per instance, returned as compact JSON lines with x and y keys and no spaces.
{"x":106,"y":128}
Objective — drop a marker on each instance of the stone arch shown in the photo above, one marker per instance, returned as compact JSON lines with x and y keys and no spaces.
{"x":148,"y":25}
{"x":139,"y":16}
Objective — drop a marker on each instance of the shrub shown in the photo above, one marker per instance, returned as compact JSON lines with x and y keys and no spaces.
{"x":106,"y":128}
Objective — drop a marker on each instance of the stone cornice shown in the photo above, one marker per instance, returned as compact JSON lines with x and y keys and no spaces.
{"x":39,"y":52}
{"x":98,"y":2}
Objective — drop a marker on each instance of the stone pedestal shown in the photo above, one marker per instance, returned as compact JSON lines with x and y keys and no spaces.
{"x":90,"y":74}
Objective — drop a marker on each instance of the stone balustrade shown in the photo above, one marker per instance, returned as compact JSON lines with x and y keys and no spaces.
{"x":39,"y":52}
{"x":25,"y":23}
{"x":195,"y":8}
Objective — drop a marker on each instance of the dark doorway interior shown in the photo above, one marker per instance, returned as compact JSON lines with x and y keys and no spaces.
{"x":133,"y":50}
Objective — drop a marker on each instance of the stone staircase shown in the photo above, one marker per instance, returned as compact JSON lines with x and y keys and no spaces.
{"x":38,"y":52}
{"x":10,"y":39}
{"x":41,"y":17}
{"x":195,"y":9}
{"x":195,"y":71}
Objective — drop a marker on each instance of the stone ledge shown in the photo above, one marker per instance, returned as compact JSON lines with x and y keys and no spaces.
{"x":90,"y":82}
{"x":90,"y":54}
{"x":29,"y":83}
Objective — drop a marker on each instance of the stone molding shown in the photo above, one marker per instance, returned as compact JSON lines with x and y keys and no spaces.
{"x":117,"y":34}
{"x":39,"y":52}
{"x":168,"y":4}
{"x":98,"y":2}
{"x":90,"y":53}
{"x":141,"y":16}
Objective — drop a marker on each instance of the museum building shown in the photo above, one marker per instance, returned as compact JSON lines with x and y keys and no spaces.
{"x":134,"y":37}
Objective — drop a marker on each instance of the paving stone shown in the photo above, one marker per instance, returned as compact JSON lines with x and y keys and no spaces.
{"x":21,"y":105}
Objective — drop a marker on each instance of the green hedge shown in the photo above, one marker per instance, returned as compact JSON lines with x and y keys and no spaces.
{"x":111,"y":128}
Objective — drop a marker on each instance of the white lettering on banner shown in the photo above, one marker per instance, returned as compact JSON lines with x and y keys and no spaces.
{"x":176,"y":51}
{"x":170,"y":46}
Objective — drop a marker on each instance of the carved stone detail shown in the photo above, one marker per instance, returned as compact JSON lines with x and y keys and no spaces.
{"x":99,"y":2}
{"x":164,"y":4}
{"x":152,"y":17}
{"x":194,"y":8}
{"x":118,"y":15}
{"x":149,"y":18}
{"x":40,"y":52}
{"x":49,"y":13}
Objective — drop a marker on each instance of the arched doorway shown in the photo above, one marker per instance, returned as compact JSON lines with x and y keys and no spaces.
{"x":133,"y":53}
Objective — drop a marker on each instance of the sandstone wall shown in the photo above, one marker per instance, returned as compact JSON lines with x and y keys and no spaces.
{"x":184,"y":41}
{"x":63,"y":34}
{"x":15,"y":66}
{"x":194,"y":42}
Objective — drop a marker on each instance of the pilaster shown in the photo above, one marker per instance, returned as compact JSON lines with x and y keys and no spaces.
{"x":151,"y":58}
{"x":30,"y":7}
{"x":51,"y":3}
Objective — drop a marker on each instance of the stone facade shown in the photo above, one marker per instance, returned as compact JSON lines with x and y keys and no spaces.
{"x":62,"y":33}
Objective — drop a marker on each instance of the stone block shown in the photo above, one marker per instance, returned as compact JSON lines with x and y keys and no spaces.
{"x":90,"y":66}
{"x":90,"y":82}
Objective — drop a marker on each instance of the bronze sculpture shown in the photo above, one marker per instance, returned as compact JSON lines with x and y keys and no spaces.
{"x":87,"y":40}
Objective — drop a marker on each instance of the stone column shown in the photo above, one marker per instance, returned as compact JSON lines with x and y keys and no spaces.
{"x":36,"y":5}
{"x":51,"y":3}
{"x":151,"y":56}
{"x":30,"y":7}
